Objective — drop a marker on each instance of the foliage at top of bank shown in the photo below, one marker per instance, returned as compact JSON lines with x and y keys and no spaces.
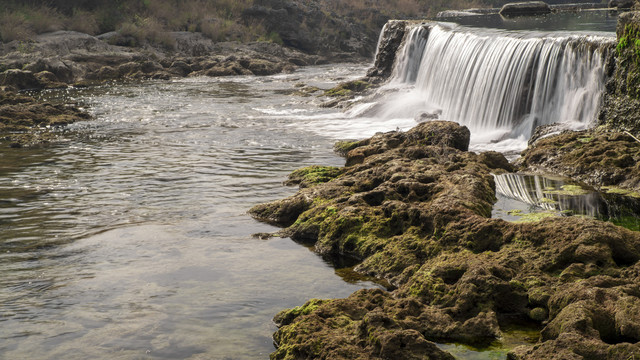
{"x":220,"y":20}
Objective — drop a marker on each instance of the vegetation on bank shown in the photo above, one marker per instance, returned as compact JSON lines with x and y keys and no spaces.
{"x":220,"y":20}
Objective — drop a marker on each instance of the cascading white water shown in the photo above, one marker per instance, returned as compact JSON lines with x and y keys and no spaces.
{"x":501,"y":84}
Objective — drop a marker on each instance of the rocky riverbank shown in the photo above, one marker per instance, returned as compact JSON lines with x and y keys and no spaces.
{"x":415,"y":208}
{"x":25,"y":121}
{"x":622,"y":95}
{"x":66,"y":58}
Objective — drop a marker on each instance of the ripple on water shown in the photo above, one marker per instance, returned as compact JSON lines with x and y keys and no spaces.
{"x":132,"y":240}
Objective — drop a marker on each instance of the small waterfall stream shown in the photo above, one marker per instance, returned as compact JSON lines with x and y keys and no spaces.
{"x":501,"y":84}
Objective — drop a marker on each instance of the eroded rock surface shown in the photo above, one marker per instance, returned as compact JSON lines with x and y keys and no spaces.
{"x":415,"y":208}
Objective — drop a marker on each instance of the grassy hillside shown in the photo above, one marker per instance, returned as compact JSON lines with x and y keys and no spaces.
{"x":217,"y":19}
{"x":149,"y":20}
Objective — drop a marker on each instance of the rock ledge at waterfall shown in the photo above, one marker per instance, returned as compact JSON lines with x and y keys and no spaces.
{"x":622,"y":96}
{"x":415,"y":208}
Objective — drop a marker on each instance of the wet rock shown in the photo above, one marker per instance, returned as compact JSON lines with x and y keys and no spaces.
{"x":496,"y":161}
{"x":62,"y":71}
{"x":49,"y":80}
{"x":427,"y":116}
{"x":25,"y":121}
{"x":545,"y":131}
{"x":392,"y":36}
{"x":220,"y":71}
{"x":281,"y":213}
{"x":261,"y":67}
{"x":528,"y":8}
{"x":596,"y":157}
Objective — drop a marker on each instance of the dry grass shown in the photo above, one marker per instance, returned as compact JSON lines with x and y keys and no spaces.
{"x":146,"y":30}
{"x":14,"y":26}
{"x":220,"y":20}
{"x":44,"y":19}
{"x":83,"y":21}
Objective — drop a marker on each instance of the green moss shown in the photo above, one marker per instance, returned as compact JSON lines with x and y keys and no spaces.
{"x":546,"y":200}
{"x":539,"y":314}
{"x":629,"y":222}
{"x":343,"y":147}
{"x":586,"y":139}
{"x":628,"y":51}
{"x":286,"y":317}
{"x":346,"y":89}
{"x":536,"y":216}
{"x":307,"y":308}
{"x":312,"y":175}
{"x":570,"y":190}
{"x":620,"y":191}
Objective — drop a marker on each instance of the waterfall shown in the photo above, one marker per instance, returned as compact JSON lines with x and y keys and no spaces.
{"x":503,"y":83}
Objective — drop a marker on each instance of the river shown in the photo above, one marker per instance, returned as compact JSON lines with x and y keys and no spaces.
{"x":131,"y":239}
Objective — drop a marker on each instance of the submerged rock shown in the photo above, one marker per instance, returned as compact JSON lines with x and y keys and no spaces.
{"x":24,"y":121}
{"x":415,"y":208}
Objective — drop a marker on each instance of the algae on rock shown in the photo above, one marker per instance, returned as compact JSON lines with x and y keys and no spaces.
{"x":415,"y":208}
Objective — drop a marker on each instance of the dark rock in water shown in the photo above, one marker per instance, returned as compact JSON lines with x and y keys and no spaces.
{"x":416,"y":211}
{"x":427,"y":116}
{"x":24,"y":121}
{"x":392,"y":36}
{"x":180,"y":68}
{"x":529,"y":8}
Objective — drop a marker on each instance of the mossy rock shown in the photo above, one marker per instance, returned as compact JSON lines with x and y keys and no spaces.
{"x":348,"y":88}
{"x":313,"y":175}
{"x":415,"y":208}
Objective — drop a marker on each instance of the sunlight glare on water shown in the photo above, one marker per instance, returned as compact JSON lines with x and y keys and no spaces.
{"x":131,"y":240}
